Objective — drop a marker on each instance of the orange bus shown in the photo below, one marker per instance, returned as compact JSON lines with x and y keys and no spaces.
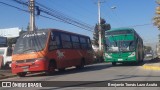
{"x":49,"y":49}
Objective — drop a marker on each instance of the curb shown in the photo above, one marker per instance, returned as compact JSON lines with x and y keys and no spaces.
{"x":151,"y":67}
{"x":4,"y":77}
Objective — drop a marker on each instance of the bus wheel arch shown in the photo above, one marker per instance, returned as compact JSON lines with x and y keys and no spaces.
{"x":82,"y":63}
{"x":51,"y":67}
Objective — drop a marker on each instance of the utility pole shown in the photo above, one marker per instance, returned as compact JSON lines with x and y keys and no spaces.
{"x":32,"y":15}
{"x":99,"y":25}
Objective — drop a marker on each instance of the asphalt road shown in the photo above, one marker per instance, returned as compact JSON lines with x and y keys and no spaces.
{"x":96,"y":72}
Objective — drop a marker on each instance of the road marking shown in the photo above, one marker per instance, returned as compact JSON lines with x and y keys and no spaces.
{"x":150,"y":67}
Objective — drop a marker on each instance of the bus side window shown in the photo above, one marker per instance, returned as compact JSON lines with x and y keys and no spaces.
{"x":66,"y":41}
{"x":75,"y":42}
{"x":54,"y":42}
{"x":89,"y":44}
{"x":83,"y":43}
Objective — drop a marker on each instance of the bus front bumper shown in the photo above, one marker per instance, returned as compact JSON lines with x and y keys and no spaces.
{"x":132,"y":59}
{"x":37,"y":66}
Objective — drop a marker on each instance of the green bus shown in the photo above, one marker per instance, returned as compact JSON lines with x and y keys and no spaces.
{"x":123,"y":45}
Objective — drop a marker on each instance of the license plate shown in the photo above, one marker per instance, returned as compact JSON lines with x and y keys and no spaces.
{"x":25,"y":70}
{"x":25,"y":67}
{"x":120,"y":59}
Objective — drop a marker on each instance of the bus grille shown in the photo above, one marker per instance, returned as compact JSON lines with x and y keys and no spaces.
{"x":25,"y":61}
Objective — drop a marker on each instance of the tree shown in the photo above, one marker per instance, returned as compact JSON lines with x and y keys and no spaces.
{"x":156,"y":21}
{"x":104,"y":27}
{"x":95,"y":36}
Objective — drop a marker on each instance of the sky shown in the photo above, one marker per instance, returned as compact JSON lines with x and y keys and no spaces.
{"x":127,"y":13}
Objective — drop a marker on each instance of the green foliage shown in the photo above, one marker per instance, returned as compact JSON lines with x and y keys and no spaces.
{"x":95,"y":36}
{"x":12,"y":41}
{"x":104,"y":27}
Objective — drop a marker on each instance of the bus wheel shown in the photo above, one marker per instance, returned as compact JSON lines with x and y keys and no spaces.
{"x":22,"y":74}
{"x":81,"y":65}
{"x":51,"y":68}
{"x":113,"y":63}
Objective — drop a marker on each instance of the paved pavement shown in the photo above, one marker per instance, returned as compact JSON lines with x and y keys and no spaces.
{"x":96,"y":72}
{"x":6,"y":73}
{"x":153,"y":64}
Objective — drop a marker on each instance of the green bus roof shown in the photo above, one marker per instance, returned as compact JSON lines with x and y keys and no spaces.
{"x":119,"y":29}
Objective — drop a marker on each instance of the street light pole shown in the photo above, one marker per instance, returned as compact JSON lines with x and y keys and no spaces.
{"x":99,"y":25}
{"x":32,"y":15}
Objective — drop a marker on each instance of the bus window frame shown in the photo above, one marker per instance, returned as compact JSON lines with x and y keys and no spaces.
{"x":52,"y":40}
{"x":74,"y":42}
{"x":66,"y":41}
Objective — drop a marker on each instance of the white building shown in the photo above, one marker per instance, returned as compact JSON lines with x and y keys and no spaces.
{"x":10,"y":32}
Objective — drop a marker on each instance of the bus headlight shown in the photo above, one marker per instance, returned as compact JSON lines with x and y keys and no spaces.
{"x":132,"y":54}
{"x":107,"y":56}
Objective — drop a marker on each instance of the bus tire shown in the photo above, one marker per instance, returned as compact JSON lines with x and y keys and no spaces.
{"x":7,"y":65}
{"x":82,"y":64}
{"x":51,"y":68}
{"x":113,"y":63}
{"x":22,"y":74}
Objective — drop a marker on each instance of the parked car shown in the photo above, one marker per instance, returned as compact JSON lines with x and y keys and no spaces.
{"x":5,"y":56}
{"x":149,"y":55}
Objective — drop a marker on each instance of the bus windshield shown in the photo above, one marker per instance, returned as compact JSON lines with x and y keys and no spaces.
{"x":120,"y":45}
{"x":31,"y":42}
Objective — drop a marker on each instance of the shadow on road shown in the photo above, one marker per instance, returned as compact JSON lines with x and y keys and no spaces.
{"x":155,"y":60}
{"x":94,"y":67}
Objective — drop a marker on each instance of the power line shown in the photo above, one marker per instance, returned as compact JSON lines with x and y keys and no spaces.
{"x":14,"y":7}
{"x":40,"y":15}
{"x":59,"y":16}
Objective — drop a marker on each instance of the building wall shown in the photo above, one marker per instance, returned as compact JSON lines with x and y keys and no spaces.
{"x":10,"y":32}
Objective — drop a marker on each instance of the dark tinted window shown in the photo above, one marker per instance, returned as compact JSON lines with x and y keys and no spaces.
{"x":54,"y":42}
{"x":75,"y":39}
{"x":66,"y":41}
{"x":83,"y":40}
{"x":75,"y":42}
{"x":65,"y":37}
{"x":31,"y":42}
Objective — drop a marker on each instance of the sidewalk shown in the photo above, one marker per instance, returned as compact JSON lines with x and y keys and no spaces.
{"x":6,"y":73}
{"x":153,"y":64}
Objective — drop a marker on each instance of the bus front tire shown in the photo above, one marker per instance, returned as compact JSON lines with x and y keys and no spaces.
{"x":113,"y":63}
{"x":51,"y":68}
{"x":81,"y":65}
{"x":22,"y":74}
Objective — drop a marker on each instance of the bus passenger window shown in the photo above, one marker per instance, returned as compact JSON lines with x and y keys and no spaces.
{"x":54,"y":43}
{"x":75,"y":42}
{"x":83,"y":43}
{"x":89,"y":43}
{"x":66,"y":41}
